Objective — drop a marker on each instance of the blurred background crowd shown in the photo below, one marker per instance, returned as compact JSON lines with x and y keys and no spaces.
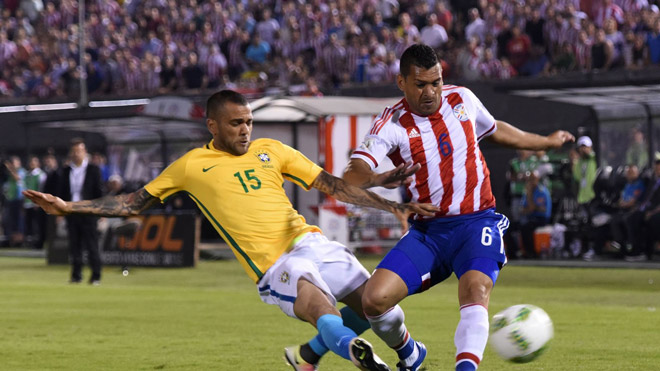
{"x":306,"y":48}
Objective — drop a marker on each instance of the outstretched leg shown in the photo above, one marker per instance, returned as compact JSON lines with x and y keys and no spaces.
{"x":385,"y":289}
{"x":312,"y":305}
{"x":353,"y":318}
{"x":471,"y":336}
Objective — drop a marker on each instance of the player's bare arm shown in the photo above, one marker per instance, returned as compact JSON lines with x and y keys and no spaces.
{"x":119,"y":205}
{"x":358,"y":173}
{"x":510,"y":136}
{"x":343,"y":191}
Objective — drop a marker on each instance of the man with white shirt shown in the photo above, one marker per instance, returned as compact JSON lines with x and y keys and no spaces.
{"x":81,"y":180}
{"x":476,"y":26}
{"x":434,"y":35}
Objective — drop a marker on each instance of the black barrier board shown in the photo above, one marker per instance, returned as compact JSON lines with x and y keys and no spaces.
{"x":162,"y":240}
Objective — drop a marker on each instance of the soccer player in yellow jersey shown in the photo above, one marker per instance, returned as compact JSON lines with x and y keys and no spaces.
{"x":237,"y":183}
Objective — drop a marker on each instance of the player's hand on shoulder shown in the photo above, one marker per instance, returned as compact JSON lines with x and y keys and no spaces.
{"x":51,"y":204}
{"x":559,"y":137}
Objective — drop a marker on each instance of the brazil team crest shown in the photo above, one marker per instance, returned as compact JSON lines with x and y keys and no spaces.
{"x":284,"y":277}
{"x":460,"y":112}
{"x":263,"y":157}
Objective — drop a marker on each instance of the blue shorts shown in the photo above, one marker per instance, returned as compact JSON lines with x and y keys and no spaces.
{"x":432,"y":250}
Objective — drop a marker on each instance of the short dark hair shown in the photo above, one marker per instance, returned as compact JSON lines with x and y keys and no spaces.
{"x":75,"y":141}
{"x":217,"y":100}
{"x":420,"y":55}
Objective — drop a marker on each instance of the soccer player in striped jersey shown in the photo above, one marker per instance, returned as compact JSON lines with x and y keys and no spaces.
{"x":432,"y":135}
{"x":237,"y":184}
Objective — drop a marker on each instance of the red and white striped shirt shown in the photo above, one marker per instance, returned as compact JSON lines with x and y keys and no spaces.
{"x":454,"y":174}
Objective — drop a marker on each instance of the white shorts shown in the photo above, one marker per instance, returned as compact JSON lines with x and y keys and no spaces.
{"x":328,"y":265}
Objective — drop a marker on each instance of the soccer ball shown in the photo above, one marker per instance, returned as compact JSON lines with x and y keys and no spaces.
{"x":521,"y":333}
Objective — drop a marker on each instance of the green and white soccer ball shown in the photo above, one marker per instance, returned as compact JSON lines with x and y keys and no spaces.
{"x":521,"y":333}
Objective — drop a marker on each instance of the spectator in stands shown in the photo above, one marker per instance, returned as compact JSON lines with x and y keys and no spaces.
{"x":602,"y":52}
{"x":653,"y":42}
{"x":434,"y":35}
{"x":489,"y":67}
{"x":216,"y":66}
{"x":536,"y":210}
{"x":629,"y":201}
{"x":584,"y":174}
{"x":312,"y":88}
{"x":645,"y":221}
{"x":258,"y":50}
{"x":518,"y":49}
{"x":35,"y":178}
{"x":534,"y":28}
{"x":445,"y":17}
{"x":565,"y":60}
{"x":617,"y":39}
{"x":583,"y":51}
{"x":507,"y":71}
{"x":12,"y":217}
{"x":193,"y":74}
{"x":503,"y":38}
{"x":168,"y":78}
{"x":637,"y":152}
{"x":377,"y":71}
{"x":267,"y":27}
{"x":637,"y":54}
{"x":476,"y":26}
{"x":334,"y":60}
{"x":407,"y":29}
{"x":467,"y":60}
{"x":537,"y":63}
{"x":604,"y":10}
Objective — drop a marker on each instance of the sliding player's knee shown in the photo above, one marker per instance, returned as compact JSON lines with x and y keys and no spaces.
{"x":377,"y":302}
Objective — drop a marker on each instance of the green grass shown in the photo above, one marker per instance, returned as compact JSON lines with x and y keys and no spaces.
{"x":211,"y":318}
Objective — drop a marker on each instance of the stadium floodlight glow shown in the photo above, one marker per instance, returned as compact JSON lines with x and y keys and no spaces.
{"x":119,"y":103}
{"x":50,"y":107}
{"x":10,"y":109}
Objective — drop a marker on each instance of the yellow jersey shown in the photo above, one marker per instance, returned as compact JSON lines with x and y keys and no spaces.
{"x":243,"y":197}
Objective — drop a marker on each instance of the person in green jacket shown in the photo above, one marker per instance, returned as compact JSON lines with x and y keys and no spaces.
{"x":584,"y":173}
{"x":584,"y":170}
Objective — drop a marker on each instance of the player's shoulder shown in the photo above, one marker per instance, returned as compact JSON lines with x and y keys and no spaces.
{"x":262,"y":143}
{"x":268,"y":145}
{"x":390,"y":115}
{"x":455,"y":89}
{"x":464,"y":93}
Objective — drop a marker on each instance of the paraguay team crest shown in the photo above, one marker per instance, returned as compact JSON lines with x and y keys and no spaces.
{"x":263,"y":156}
{"x":460,"y":112}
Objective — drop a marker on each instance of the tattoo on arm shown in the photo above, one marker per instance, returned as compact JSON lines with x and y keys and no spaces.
{"x":120,"y":205}
{"x":343,"y":191}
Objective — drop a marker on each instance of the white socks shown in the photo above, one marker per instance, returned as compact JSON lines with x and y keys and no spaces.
{"x":390,"y":328}
{"x":471,"y":334}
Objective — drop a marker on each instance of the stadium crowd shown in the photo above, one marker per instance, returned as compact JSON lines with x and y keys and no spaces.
{"x":160,"y":46}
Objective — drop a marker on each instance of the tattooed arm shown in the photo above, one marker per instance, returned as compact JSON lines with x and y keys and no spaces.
{"x":360,"y":174}
{"x":120,"y":205}
{"x":343,"y":191}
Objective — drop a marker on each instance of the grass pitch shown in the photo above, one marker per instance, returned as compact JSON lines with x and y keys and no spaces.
{"x":211,"y":318}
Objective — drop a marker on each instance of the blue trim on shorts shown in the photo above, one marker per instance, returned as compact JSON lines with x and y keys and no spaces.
{"x":276,"y":294}
{"x":398,"y":262}
{"x":434,"y":249}
{"x":487,"y":266}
